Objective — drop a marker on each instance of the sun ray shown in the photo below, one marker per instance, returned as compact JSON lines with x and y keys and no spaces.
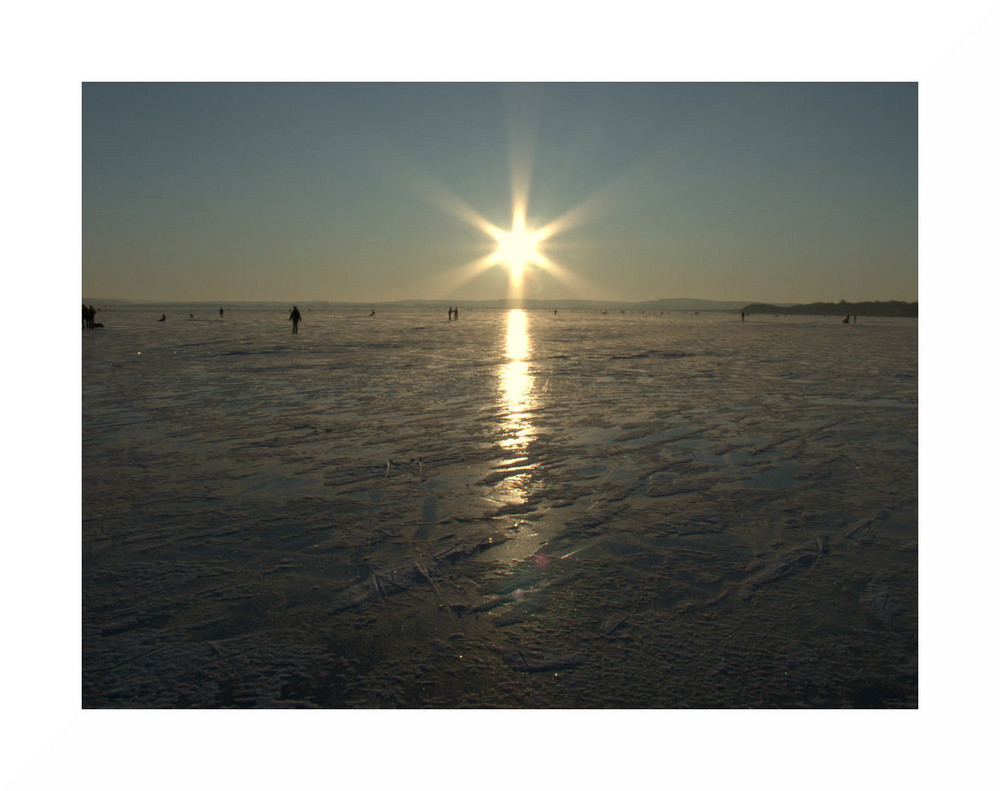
{"x":608,"y":200}
{"x":521,"y":248}
{"x":401,"y":170}
{"x":577,"y":283}
{"x":453,"y":279}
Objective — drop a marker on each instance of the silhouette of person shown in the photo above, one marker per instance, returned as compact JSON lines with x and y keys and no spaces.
{"x":743,"y":315}
{"x":86,"y":318}
{"x":295,"y":317}
{"x":456,"y":314}
{"x":90,"y":320}
{"x":220,"y":313}
{"x":163,"y":317}
{"x":449,"y":314}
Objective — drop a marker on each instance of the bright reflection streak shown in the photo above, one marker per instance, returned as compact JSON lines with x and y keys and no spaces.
{"x":517,"y":384}
{"x":518,"y":398}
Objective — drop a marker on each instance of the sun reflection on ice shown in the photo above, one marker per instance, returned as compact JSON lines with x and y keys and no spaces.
{"x":517,"y":399}
{"x":517,"y":385}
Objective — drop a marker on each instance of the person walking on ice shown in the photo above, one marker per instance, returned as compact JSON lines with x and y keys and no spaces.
{"x":295,"y":317}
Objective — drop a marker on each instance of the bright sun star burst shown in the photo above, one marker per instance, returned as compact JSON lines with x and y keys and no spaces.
{"x":522,"y":249}
{"x":518,"y":248}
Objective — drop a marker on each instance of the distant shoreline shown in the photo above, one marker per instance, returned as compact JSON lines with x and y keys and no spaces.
{"x":881,"y":309}
{"x":885,"y":309}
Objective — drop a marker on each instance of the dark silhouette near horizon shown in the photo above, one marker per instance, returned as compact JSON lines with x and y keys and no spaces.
{"x":743,"y":316}
{"x":295,"y":317}
{"x":847,"y":320}
{"x":163,"y":317}
{"x":891,"y":309}
{"x":220,"y":313}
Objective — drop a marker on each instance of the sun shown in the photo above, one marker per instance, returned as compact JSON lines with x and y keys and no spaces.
{"x":518,"y":248}
{"x":523,"y":249}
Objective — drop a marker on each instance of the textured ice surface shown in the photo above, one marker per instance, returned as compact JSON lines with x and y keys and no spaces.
{"x":398,"y":510}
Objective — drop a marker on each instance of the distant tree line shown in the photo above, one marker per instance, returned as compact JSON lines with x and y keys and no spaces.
{"x":893,"y":308}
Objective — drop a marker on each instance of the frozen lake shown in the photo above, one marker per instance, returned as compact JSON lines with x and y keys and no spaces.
{"x":519,"y":509}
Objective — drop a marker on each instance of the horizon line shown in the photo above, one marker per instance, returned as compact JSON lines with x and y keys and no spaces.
{"x":504,"y":301}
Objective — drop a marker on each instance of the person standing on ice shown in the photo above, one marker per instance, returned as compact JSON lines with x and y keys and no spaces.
{"x":295,"y":317}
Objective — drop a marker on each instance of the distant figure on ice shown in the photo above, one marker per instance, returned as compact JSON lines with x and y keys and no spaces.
{"x":846,"y":320}
{"x":87,"y":320}
{"x":295,"y":317}
{"x":456,"y":314}
{"x":163,"y":317}
{"x":91,"y":314}
{"x":220,"y":313}
{"x":449,"y":314}
{"x":743,"y":315}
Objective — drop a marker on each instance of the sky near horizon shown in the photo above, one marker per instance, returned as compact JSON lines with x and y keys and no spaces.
{"x":364,"y":192}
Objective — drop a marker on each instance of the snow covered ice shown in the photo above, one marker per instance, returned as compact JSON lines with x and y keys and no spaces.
{"x":517,"y":508}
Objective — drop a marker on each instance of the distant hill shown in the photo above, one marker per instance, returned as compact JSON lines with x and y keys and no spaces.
{"x":688,"y":304}
{"x":842,"y":308}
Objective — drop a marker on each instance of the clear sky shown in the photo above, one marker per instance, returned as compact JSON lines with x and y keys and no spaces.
{"x":380,"y":191}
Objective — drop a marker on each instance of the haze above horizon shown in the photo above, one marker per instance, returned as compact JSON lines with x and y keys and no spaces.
{"x":375,"y":192}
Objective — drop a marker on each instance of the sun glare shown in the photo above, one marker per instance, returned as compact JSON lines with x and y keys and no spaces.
{"x":518,"y":249}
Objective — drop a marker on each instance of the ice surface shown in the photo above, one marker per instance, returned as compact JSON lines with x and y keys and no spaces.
{"x":400,"y":510}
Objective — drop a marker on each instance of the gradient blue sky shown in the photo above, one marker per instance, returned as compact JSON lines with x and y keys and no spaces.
{"x":348,"y":191}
